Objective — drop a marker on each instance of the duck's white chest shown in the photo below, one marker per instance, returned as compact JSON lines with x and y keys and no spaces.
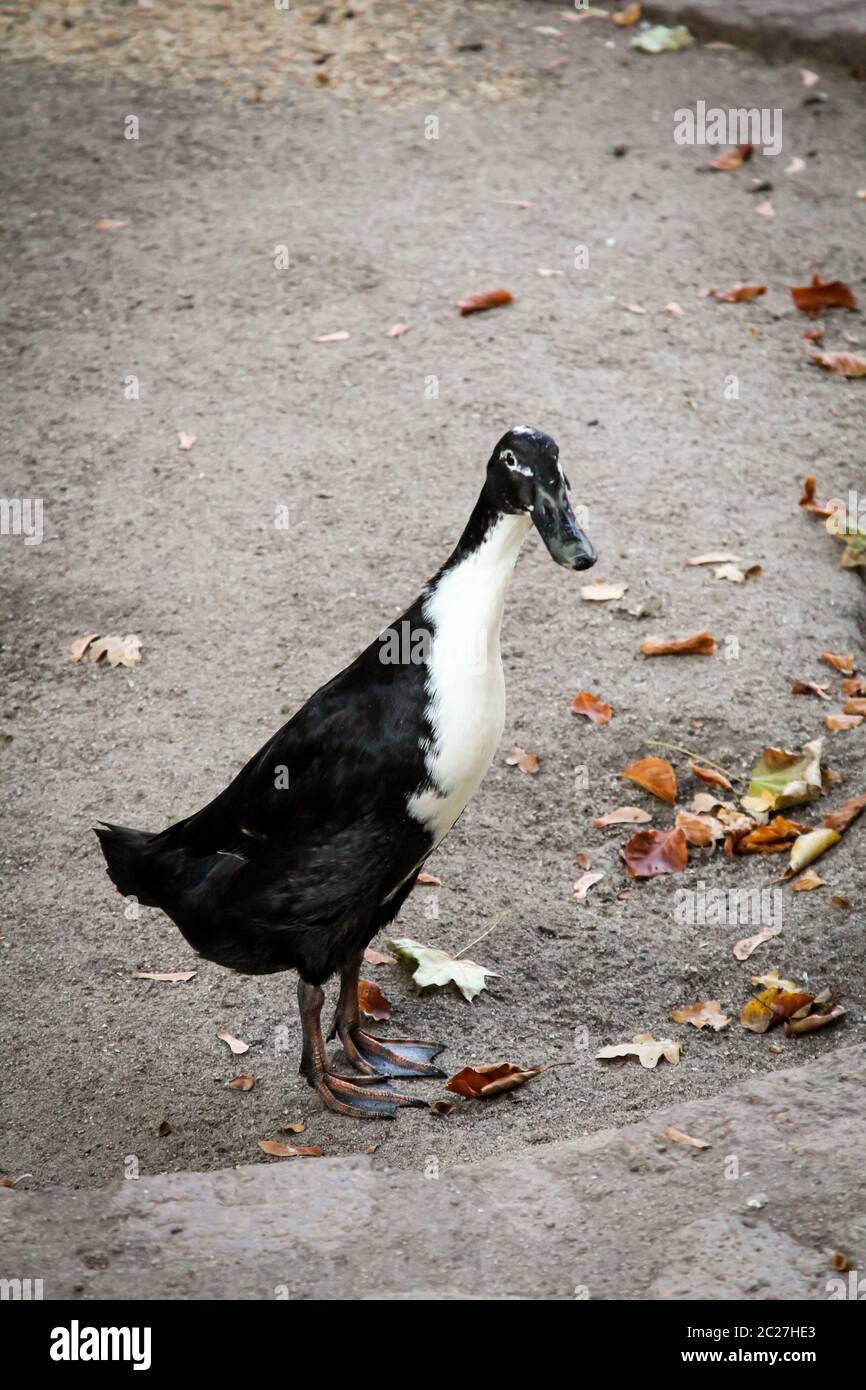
{"x":465,"y":682}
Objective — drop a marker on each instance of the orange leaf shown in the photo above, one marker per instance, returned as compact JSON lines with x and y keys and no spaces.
{"x":842,"y":363}
{"x":810,"y":688}
{"x":277,"y":1148}
{"x":843,"y":661}
{"x":590,"y":706}
{"x":697,"y":644}
{"x":710,"y":776}
{"x":817,"y":297}
{"x":491,"y":1079}
{"x":847,"y":812}
{"x":770,"y":839}
{"x":527,"y":762}
{"x":839,"y":722}
{"x":854,"y":685}
{"x":700,"y":829}
{"x":854,"y":707}
{"x":707,"y":1013}
{"x":732,"y":159}
{"x":487,"y":299}
{"x":771,"y":1006}
{"x":372,"y":1001}
{"x":654,"y":775}
{"x":809,"y":501}
{"x":740,"y":294}
{"x":625,"y":18}
{"x":652,"y":852}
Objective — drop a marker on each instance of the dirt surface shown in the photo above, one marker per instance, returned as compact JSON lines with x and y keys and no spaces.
{"x":241,"y":621}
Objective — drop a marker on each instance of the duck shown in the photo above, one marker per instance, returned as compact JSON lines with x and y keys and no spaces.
{"x":318,"y":841}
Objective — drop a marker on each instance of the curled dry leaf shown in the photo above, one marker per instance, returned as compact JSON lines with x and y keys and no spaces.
{"x":847,"y":812}
{"x":583,"y":885}
{"x":807,"y":848}
{"x":699,"y":829}
{"x":374,"y":957}
{"x":245,"y":1082}
{"x":714,"y":558}
{"x":278,"y":1148}
{"x":650,"y":853}
{"x":744,"y":948}
{"x":372,"y":1001}
{"x":811,"y":503}
{"x":80,"y":645}
{"x":806,"y":882}
{"x":655,"y":775}
{"x":486,"y":299}
{"x":293,"y":1127}
{"x":780,"y":778}
{"x":840,"y":661}
{"x":696,"y":644}
{"x":491,"y":1079}
{"x":817,"y":298}
{"x":602,"y":592}
{"x":430,"y":880}
{"x":839,"y":722}
{"x":842,"y":363}
{"x":518,"y":757}
{"x":771,"y":980}
{"x":773,"y":1006}
{"x":739,"y":294}
{"x":442,"y":1107}
{"x":795,"y":1026}
{"x":163,"y":1129}
{"x":118,"y":651}
{"x":775,"y":837}
{"x":237,"y":1047}
{"x":732,"y":159}
{"x":591,"y":706}
{"x":678,"y":1137}
{"x":711,"y":776}
{"x":623,"y":815}
{"x":13,"y":1182}
{"x":437,"y":968}
{"x":645,"y":1048}
{"x":702,"y":1015}
{"x":169,"y":977}
{"x":810,"y":688}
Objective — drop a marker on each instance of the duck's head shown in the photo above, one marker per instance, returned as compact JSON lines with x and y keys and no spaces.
{"x":524,"y":475}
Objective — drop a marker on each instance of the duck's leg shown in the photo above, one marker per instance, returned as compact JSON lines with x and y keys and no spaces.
{"x":377,"y":1056}
{"x":357,"y":1097}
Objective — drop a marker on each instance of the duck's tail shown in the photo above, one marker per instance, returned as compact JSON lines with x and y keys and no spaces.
{"x":127,"y":859}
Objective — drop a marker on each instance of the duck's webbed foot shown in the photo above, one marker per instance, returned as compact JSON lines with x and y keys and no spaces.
{"x":404,"y":1057}
{"x":359,"y":1097}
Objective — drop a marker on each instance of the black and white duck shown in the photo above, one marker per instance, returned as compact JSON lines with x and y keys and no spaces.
{"x":318,"y":841}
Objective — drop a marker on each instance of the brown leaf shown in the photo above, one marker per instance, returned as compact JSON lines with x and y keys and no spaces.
{"x":854,"y":707}
{"x":810,"y":502}
{"x":696,"y":644}
{"x":625,"y":18}
{"x":487,"y":299}
{"x":170,"y":977}
{"x":374,"y":957}
{"x":806,"y":882}
{"x":838,"y":722}
{"x":842,"y":363}
{"x":80,"y":645}
{"x":702,"y":1015}
{"x":847,"y":812}
{"x":244,"y":1082}
{"x":772,"y":1006}
{"x":293,"y":1127}
{"x":700,"y":830}
{"x":372,"y":1001}
{"x":591,"y":707}
{"x":838,"y":901}
{"x":810,"y":688}
{"x":442,"y":1107}
{"x":808,"y":1024}
{"x":778,"y":835}
{"x":732,"y":159}
{"x":854,"y":685}
{"x":710,"y":776}
{"x":235,"y":1044}
{"x":277,"y":1148}
{"x":163,"y":1129}
{"x":430,"y":880}
{"x":527,"y":762}
{"x":679,"y":1137}
{"x":840,"y":661}
{"x":623,"y":815}
{"x":583,"y":885}
{"x":652,"y":852}
{"x":744,"y":948}
{"x":655,"y":775}
{"x":817,"y":298}
{"x":739,"y":294}
{"x":491,"y":1079}
{"x":13,"y":1182}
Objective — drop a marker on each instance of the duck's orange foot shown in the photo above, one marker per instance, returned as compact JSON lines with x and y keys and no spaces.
{"x":392,"y":1056}
{"x":361,"y":1098}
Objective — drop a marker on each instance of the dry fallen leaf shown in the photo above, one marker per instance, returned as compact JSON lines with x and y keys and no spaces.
{"x":771,"y":980}
{"x":293,"y":1127}
{"x":732,"y":159}
{"x":847,"y":812}
{"x":442,"y":1107}
{"x":809,"y":501}
{"x":278,"y":1148}
{"x":854,"y":707}
{"x":810,"y":688}
{"x":491,"y":1079}
{"x":487,"y":299}
{"x":527,"y":762}
{"x":339,"y":337}
{"x":655,"y":775}
{"x":374,"y":957}
{"x":13,"y":1182}
{"x":743,"y":949}
{"x":589,"y":705}
{"x":702,"y":1015}
{"x":652,"y":852}
{"x":436,"y":968}
{"x":854,"y":685}
{"x":838,"y":722}
{"x":739,"y":294}
{"x":806,"y":882}
{"x":840,"y":661}
{"x":776,"y":836}
{"x":397,"y":330}
{"x":625,"y":18}
{"x":780,"y":778}
{"x":80,"y":645}
{"x":714,"y":558}
{"x":699,"y":829}
{"x":679,"y":1137}
{"x":602,"y":592}
{"x":110,"y":224}
{"x":623,"y":815}
{"x":711,"y":776}
{"x":372,"y":1001}
{"x":235,"y":1044}
{"x":430,"y":880}
{"x":170,"y":977}
{"x":163,"y":1129}
{"x":246,"y":1082}
{"x":118,"y":651}
{"x":842,"y":363}
{"x":583,"y":885}
{"x":646,"y":1048}
{"x":696,"y":644}
{"x":773,"y":1006}
{"x":817,"y":298}
{"x":795,"y":1026}
{"x":765,"y":209}
{"x":838,"y":901}
{"x":807,"y":848}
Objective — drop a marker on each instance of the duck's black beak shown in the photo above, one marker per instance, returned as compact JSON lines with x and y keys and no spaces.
{"x":555,"y":523}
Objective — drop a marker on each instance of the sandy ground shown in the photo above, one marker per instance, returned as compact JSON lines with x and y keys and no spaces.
{"x":241,"y":622}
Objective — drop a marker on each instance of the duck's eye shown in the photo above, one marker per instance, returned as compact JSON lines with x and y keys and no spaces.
{"x":510,"y":460}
